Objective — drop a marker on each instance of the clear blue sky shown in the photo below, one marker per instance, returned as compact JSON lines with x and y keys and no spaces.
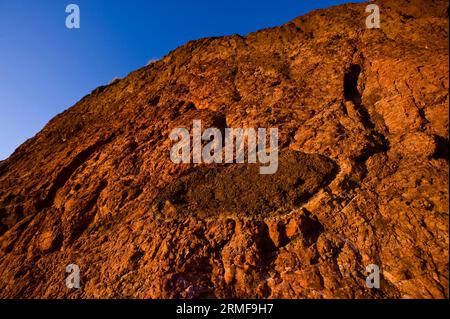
{"x":45,"y":68}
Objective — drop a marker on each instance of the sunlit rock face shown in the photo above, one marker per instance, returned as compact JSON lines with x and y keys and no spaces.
{"x":362,"y":118}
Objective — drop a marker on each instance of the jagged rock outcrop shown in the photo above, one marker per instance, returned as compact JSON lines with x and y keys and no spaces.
{"x":365,"y":109}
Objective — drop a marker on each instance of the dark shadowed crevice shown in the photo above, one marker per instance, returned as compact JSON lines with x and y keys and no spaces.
{"x":442,"y":148}
{"x":64,"y":175}
{"x":351,"y":92}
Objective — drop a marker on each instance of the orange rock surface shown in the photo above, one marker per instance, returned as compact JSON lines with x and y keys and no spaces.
{"x":364,"y":111}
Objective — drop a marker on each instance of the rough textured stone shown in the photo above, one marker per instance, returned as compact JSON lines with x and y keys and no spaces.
{"x":373,"y":103}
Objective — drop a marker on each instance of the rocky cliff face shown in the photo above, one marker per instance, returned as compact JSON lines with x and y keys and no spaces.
{"x":362,"y":116}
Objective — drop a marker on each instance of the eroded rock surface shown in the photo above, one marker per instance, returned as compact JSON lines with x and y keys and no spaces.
{"x":240,"y":189}
{"x":372,"y":103}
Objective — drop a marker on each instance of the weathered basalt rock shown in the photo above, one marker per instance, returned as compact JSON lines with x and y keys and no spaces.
{"x":364,"y":110}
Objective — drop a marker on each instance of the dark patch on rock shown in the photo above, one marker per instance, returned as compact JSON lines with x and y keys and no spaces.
{"x":241,"y":189}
